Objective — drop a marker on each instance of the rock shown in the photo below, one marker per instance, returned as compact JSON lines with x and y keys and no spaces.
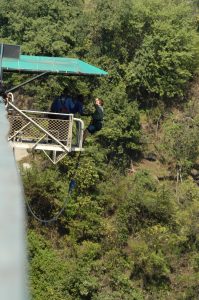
{"x":151,"y":156}
{"x":26,"y":166}
{"x":196,"y":165}
{"x":194,"y":172}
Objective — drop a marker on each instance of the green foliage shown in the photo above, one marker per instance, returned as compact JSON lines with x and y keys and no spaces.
{"x":180,"y":143}
{"x":48,"y":271}
{"x":45,"y":191}
{"x":83,"y":169}
{"x":152,"y":267}
{"x":40,"y":28}
{"x":165,"y":61}
{"x":121,"y":133}
{"x":121,"y":236}
{"x":147,"y":203}
{"x":122,"y":244}
{"x":85,"y":221}
{"x":188,"y":210}
{"x":152,"y":44}
{"x":188,"y":193}
{"x":78,"y":275}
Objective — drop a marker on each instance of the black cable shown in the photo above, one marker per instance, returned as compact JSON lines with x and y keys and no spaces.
{"x":72,"y":185}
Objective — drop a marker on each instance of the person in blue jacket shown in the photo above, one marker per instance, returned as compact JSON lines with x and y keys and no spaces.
{"x":78,"y":105}
{"x":68,"y":105}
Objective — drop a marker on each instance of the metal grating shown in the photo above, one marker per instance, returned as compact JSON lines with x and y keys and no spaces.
{"x":22,"y":130}
{"x":52,"y":133}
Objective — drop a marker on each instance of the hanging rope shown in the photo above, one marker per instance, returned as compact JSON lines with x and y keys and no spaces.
{"x":70,"y":189}
{"x":72,"y":185}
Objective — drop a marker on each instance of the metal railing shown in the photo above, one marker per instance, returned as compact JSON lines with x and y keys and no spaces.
{"x":40,"y":127}
{"x":36,"y":130}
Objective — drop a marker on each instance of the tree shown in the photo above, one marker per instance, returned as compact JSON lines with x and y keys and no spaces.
{"x":166,"y":58}
{"x":152,"y":43}
{"x":179,"y":143}
{"x":121,"y":133}
{"x":41,"y":28}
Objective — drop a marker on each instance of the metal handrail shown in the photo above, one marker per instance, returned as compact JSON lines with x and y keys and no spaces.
{"x":80,"y":132}
{"x":37,"y":125}
{"x":45,"y":113}
{"x":79,"y":124}
{"x":57,"y":129}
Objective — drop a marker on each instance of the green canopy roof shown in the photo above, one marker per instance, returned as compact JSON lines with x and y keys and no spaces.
{"x":59,"y":65}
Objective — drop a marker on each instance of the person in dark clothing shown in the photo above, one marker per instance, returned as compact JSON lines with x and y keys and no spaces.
{"x":65,"y":105}
{"x":96,"y":123}
{"x":78,"y":104}
{"x":68,"y":105}
{"x":61,"y":104}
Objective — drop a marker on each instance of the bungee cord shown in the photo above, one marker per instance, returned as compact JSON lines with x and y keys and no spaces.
{"x":72,"y":185}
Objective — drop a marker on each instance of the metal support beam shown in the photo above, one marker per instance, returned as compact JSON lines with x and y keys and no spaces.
{"x":13,"y":262}
{"x":25,"y":82}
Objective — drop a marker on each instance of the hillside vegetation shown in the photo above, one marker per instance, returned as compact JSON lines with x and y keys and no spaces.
{"x":130,"y":230}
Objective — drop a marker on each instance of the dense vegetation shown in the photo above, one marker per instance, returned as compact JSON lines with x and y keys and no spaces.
{"x":130,"y":230}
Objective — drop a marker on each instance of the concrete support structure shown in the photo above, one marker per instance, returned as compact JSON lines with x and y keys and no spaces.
{"x":13,"y":261}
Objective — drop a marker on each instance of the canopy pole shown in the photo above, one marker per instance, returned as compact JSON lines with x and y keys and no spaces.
{"x":25,"y":82}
